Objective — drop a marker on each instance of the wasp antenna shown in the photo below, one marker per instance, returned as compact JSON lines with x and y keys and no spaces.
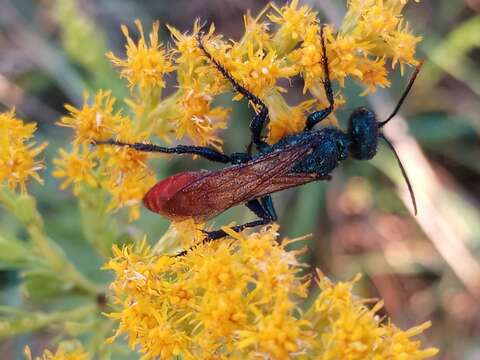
{"x":404,"y":173}
{"x":404,"y":95}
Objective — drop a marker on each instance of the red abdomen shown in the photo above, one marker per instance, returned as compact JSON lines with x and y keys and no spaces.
{"x":159,"y":198}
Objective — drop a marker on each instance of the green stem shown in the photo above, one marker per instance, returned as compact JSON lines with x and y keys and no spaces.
{"x":159,"y":119}
{"x":150,"y":100}
{"x":99,"y":228}
{"x":31,"y":321}
{"x":168,"y":243}
{"x":25,"y":209}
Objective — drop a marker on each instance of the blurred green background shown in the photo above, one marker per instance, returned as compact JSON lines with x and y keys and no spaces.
{"x":424,"y":267}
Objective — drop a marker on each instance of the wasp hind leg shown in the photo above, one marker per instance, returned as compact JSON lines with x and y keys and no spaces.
{"x":261,"y":118}
{"x":263,"y":209}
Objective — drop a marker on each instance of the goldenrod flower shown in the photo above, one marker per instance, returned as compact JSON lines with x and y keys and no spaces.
{"x":399,"y":346}
{"x":256,"y":68}
{"x":372,"y":33}
{"x":239,"y":299}
{"x":277,"y":335}
{"x":259,"y":70}
{"x":121,"y":171}
{"x":294,"y":23}
{"x":198,"y":121}
{"x":350,"y":330}
{"x":374,"y":74}
{"x":76,"y":167}
{"x":256,"y":32}
{"x":92,"y":122}
{"x":353,"y":333}
{"x":189,"y":60}
{"x":186,"y":46}
{"x":402,"y":47}
{"x":60,"y":354}
{"x":146,"y":62}
{"x":284,"y":119}
{"x":380,"y":23}
{"x":342,"y":53}
{"x":186,"y":232}
{"x":17,"y":152}
{"x":191,"y":110}
{"x":125,"y":159}
{"x":128,"y":189}
{"x":204,"y":300}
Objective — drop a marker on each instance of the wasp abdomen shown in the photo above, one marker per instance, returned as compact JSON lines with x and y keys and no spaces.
{"x":158,"y":197}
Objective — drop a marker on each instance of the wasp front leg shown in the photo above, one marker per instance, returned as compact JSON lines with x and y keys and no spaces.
{"x":317,"y":116}
{"x":205,"y":152}
{"x":261,"y":118}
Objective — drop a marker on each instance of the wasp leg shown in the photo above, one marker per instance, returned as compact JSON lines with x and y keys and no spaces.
{"x":264,"y":210}
{"x":218,"y":234}
{"x":267,"y":203}
{"x":261,"y":118}
{"x":205,"y":152}
{"x":257,"y":208}
{"x":317,"y":116}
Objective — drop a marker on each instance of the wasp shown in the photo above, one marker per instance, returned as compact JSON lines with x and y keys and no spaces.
{"x":250,"y":179}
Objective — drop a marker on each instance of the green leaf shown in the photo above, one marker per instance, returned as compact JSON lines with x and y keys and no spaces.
{"x":14,"y":253}
{"x":42,"y":284}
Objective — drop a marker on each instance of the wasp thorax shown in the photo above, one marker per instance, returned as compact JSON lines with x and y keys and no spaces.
{"x":363,"y":131}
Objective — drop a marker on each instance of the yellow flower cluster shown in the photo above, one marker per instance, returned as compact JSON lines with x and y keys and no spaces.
{"x":146,"y":63}
{"x":120,"y":171}
{"x":280,"y":43}
{"x":350,"y":330}
{"x":60,"y":354}
{"x":371,"y":32}
{"x":242,"y":299}
{"x":18,"y":152}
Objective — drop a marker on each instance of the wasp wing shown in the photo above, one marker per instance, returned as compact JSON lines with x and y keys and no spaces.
{"x":220,"y":190}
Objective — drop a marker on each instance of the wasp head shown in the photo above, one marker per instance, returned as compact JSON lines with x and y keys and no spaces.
{"x":363,"y":132}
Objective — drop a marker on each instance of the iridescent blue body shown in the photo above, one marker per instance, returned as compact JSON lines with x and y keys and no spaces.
{"x":332,"y":145}
{"x":329,"y":146}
